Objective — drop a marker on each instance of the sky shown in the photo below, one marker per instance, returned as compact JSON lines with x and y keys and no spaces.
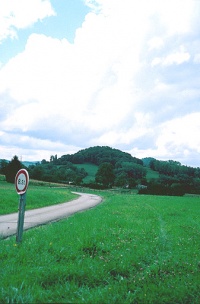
{"x":81,"y":73}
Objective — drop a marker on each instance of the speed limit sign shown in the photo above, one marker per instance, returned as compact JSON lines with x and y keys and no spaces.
{"x":21,"y":181}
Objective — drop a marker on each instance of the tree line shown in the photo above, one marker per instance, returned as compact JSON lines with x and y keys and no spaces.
{"x":115,"y":169}
{"x":174,"y":179}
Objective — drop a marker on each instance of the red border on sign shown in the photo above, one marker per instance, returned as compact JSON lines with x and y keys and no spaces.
{"x":25,"y":172}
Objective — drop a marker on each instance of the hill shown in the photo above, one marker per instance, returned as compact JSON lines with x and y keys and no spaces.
{"x":147,"y":161}
{"x":127,"y":170}
{"x":29,"y":163}
{"x":103,"y":166}
{"x":100,"y":154}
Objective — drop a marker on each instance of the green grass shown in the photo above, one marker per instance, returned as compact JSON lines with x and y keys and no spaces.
{"x":2,"y":177}
{"x":151,"y":174}
{"x":129,"y":249}
{"x":90,"y":169}
{"x":36,"y":197}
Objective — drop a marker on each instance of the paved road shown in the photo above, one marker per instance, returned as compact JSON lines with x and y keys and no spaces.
{"x":36,"y":217}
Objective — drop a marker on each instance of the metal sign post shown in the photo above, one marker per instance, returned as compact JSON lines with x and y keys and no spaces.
{"x":20,"y":223}
{"x":21,"y":184}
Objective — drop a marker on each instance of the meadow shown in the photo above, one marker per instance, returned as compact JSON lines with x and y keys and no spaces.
{"x":151,"y":174}
{"x":128,"y":249}
{"x":91,"y":170}
{"x":39,"y":194}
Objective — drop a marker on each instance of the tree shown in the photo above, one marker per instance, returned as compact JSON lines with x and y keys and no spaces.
{"x":105,"y":175}
{"x":36,"y":172}
{"x":43,"y":162}
{"x":12,"y":168}
{"x":122,"y":180}
{"x":3,"y":165}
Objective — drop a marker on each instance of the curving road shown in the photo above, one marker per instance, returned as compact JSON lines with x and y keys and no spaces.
{"x":36,"y":217}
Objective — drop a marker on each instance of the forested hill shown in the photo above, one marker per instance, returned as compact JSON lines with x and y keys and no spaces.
{"x":98,"y":155}
{"x":105,"y":167}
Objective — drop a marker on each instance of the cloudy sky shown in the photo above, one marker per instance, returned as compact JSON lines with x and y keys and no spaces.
{"x":81,"y":73}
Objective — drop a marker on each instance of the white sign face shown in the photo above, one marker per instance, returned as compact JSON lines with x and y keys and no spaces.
{"x":21,"y":181}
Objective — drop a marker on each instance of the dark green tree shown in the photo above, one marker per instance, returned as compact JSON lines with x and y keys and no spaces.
{"x":105,"y":175}
{"x":3,"y":165}
{"x":122,"y":179}
{"x":36,"y":172}
{"x":12,"y":168}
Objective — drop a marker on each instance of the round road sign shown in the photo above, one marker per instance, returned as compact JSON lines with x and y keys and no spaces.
{"x":21,"y":181}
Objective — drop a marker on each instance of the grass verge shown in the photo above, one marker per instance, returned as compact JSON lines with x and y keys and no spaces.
{"x":37,"y":197}
{"x":129,"y":249}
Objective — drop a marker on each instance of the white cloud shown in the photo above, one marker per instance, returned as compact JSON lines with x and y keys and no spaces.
{"x":155,"y":43}
{"x":112,"y":85}
{"x":141,"y":126}
{"x":181,"y":132}
{"x":20,"y":14}
{"x":31,"y":148}
{"x":176,"y":15}
{"x":177,"y":58}
{"x":177,"y":139}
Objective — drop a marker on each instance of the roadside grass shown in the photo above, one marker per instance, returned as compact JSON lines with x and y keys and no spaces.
{"x":37,"y":196}
{"x":128,"y":249}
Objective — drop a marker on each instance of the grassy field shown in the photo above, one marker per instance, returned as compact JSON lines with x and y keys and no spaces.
{"x":37,"y":196}
{"x":129,"y":249}
{"x":91,"y":170}
{"x":151,"y":174}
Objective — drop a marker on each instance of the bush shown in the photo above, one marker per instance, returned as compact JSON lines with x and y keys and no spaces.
{"x":160,"y":189}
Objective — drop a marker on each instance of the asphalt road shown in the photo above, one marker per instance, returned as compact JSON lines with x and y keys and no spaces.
{"x":40,"y":216}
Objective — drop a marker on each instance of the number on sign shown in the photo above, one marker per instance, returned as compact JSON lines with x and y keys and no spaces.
{"x":21,"y":181}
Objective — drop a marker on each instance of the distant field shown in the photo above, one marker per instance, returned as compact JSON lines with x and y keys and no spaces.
{"x":151,"y":174}
{"x":91,"y":170}
{"x":129,"y":249}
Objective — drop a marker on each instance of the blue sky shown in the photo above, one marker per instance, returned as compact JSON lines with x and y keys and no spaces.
{"x":79,"y":73}
{"x":66,"y":18}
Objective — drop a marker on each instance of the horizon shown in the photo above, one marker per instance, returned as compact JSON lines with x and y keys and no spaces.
{"x":48,"y":160}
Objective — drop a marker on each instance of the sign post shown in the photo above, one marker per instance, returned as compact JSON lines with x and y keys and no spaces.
{"x":21,"y":185}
